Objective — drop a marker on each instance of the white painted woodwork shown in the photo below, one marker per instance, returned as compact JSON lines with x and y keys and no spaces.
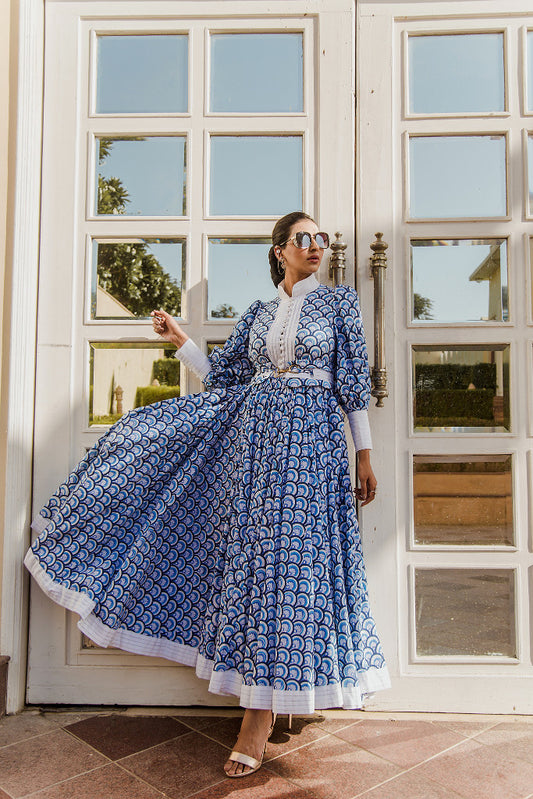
{"x":60,"y":669}
{"x":458,"y":684}
{"x":341,"y":43}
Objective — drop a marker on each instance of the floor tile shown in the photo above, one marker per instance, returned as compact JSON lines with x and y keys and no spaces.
{"x":410,"y":786}
{"x":180,"y":766}
{"x":334,"y":725}
{"x":332,"y":768}
{"x":63,"y":718}
{"x":202,"y":722}
{"x":303,"y":731}
{"x":469,"y":728}
{"x":473,"y":771}
{"x":263,"y":785}
{"x":36,"y":763}
{"x":513,"y":740}
{"x":404,"y":743}
{"x":24,"y":725}
{"x":117,"y":736}
{"x":108,"y":782}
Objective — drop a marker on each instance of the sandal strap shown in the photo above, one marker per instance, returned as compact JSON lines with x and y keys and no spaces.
{"x":246,"y":760}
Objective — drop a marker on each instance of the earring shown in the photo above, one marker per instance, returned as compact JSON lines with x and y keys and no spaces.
{"x":281,"y":265}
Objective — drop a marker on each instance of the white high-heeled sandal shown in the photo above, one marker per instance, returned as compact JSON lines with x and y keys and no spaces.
{"x":252,"y":762}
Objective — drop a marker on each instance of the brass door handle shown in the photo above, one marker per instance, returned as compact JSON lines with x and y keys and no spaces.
{"x":378,"y":264}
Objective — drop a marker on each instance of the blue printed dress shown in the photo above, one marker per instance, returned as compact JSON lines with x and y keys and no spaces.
{"x":219,"y":529}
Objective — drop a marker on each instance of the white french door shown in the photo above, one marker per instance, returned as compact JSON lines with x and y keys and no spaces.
{"x":445,"y":154}
{"x":172,"y":142}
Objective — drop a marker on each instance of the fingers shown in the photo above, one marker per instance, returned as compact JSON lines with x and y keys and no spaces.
{"x":159,"y":321}
{"x":366,"y":493}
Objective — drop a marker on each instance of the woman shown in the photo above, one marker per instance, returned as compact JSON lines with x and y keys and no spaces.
{"x":219,"y":529}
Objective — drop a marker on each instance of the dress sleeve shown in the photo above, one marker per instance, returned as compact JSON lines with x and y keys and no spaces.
{"x":352,"y":375}
{"x":231,"y":364}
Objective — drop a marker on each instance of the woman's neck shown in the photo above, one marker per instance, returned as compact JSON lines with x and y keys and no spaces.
{"x":289,"y":281}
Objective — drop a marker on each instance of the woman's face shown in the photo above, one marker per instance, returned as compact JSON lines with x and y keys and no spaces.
{"x":302,"y":263}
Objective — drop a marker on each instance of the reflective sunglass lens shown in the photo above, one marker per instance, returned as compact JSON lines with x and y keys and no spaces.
{"x":303,"y":240}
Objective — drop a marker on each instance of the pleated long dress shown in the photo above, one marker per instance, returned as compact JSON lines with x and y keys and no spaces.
{"x":219,"y":529}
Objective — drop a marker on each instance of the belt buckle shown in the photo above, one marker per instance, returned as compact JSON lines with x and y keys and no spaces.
{"x":289,"y":368}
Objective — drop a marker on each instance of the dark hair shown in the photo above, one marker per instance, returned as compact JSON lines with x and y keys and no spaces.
{"x":280,"y":234}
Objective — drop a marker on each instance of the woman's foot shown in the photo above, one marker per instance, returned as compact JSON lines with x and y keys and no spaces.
{"x":253,"y":734}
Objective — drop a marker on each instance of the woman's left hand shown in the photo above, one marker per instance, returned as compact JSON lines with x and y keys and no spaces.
{"x":366,"y":492}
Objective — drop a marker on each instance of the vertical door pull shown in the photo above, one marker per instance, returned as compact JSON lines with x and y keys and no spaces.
{"x":378,"y":264}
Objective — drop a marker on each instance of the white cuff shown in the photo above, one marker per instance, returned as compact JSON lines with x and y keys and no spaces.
{"x":193,"y":358}
{"x":360,"y":428}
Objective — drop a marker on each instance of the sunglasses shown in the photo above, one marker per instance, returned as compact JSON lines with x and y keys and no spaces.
{"x":303,"y":240}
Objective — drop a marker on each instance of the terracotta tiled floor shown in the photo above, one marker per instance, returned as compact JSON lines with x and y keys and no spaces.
{"x":151,"y":754}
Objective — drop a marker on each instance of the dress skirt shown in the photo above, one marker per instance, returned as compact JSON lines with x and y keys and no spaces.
{"x":219,"y":530}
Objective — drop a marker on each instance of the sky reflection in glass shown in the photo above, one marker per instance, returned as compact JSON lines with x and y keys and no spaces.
{"x":530,"y":171}
{"x":256,"y":72}
{"x":459,"y":280}
{"x":145,"y":74}
{"x":255,"y":175}
{"x":457,"y":176}
{"x":150,"y":168}
{"x":456,"y":73}
{"x":530,"y":71}
{"x":238,"y":274}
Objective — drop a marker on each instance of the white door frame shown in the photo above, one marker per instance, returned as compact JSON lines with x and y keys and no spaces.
{"x":61,"y":670}
{"x":483,"y":685}
{"x":20,"y":359}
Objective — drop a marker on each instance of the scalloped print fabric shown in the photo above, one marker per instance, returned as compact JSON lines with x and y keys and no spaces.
{"x":219,"y":529}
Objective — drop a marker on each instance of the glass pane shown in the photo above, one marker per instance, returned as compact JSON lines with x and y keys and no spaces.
{"x":456,"y":73}
{"x":530,"y":171}
{"x":132,"y":278}
{"x":457,"y":176}
{"x":142,"y":74}
{"x":459,"y":280}
{"x":462,"y":389}
{"x":238,"y":274}
{"x":463,"y":500}
{"x":140,"y":175}
{"x":255,"y":175}
{"x":531,"y":269}
{"x":127,"y":375}
{"x":465,"y":612}
{"x":257,"y":72}
{"x":530,"y":71}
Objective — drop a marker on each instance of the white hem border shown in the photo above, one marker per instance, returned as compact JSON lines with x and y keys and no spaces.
{"x":227,"y":682}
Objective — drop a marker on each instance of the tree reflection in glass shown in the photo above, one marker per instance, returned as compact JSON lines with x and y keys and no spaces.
{"x":140,"y":176}
{"x":461,"y":389}
{"x":131,"y":278}
{"x":459,"y":280}
{"x":127,"y":375}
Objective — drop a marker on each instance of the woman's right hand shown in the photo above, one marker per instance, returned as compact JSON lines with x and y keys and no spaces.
{"x":166,"y":326}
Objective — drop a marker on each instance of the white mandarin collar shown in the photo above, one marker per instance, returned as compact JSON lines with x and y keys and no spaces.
{"x":309,"y":283}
